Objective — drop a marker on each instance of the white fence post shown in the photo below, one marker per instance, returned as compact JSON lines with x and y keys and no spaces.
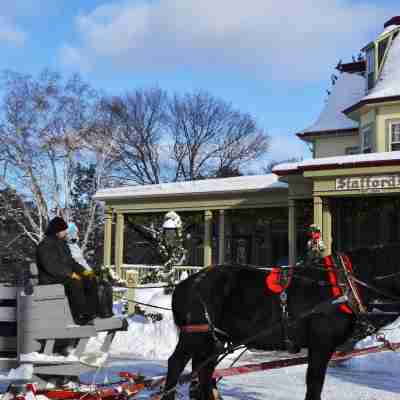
{"x":132,"y":279}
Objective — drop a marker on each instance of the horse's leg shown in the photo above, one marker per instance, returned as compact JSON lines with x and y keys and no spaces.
{"x":176,"y":364}
{"x":206,"y":388}
{"x":319,"y":355}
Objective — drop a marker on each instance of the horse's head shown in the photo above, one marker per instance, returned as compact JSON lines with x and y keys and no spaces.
{"x":379,"y":268}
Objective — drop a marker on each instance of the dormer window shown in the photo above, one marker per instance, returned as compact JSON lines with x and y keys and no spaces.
{"x":395,"y":136}
{"x":370,"y":58}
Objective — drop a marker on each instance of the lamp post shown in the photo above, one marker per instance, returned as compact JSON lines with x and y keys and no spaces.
{"x":171,"y":247}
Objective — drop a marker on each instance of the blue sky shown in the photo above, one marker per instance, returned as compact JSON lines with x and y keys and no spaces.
{"x":272,"y":58}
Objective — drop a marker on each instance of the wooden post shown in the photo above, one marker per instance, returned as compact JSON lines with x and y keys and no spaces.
{"x":132,"y":280}
{"x":207,"y":238}
{"x":221,"y":241}
{"x":108,"y":219}
{"x":318,"y":212}
{"x":327,"y":226}
{"x":119,"y":243}
{"x":292,"y":228}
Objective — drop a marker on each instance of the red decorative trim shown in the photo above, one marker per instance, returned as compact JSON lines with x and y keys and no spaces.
{"x":355,"y":164}
{"x":370,"y":101}
{"x":197,"y":328}
{"x":392,"y":21}
{"x":352,"y":67}
{"x":305,"y":135}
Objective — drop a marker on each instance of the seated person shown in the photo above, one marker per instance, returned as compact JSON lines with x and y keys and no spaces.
{"x":56,"y":265}
{"x":76,"y":251}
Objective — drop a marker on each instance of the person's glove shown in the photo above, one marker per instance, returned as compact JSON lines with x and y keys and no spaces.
{"x":75,"y":276}
{"x":88,"y":273}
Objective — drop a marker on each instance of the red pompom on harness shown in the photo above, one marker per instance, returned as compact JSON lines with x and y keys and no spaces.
{"x":278,"y":279}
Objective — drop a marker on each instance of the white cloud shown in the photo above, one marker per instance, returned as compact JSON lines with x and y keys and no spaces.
{"x":10,"y":33}
{"x":285,"y":39}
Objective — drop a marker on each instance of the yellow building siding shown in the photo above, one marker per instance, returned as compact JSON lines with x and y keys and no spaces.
{"x":334,"y":146}
{"x":386,"y":115}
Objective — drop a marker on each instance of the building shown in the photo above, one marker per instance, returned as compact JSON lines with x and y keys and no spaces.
{"x":350,"y":188}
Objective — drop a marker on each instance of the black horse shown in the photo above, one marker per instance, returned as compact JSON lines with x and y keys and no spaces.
{"x":239,"y":304}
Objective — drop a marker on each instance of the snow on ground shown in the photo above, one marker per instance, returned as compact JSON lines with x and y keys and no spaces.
{"x":146,"y":347}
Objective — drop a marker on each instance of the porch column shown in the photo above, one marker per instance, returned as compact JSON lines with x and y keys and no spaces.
{"x":221,"y":241}
{"x":207,"y":238}
{"x":119,"y":243}
{"x":318,"y":211}
{"x":108,"y":217}
{"x":327,"y":226}
{"x":292,"y":231}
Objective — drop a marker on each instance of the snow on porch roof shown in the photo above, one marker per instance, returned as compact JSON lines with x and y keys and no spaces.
{"x":250,"y":183}
{"x":348,"y":89}
{"x":356,"y":160}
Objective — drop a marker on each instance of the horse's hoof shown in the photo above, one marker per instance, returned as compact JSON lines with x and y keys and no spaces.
{"x":216,"y":395}
{"x":163,"y":396}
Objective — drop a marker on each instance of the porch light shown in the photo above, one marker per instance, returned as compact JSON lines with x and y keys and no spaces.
{"x":170,"y":231}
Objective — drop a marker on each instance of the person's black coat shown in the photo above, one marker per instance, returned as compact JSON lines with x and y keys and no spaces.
{"x":54,"y":261}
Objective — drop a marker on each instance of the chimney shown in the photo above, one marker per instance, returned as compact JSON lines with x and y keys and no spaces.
{"x":392,"y":21}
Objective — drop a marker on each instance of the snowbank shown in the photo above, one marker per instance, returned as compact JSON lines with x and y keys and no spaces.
{"x":145,"y":339}
{"x":378,"y":362}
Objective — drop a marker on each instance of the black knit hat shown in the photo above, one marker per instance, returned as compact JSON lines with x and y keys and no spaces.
{"x":57,"y":224}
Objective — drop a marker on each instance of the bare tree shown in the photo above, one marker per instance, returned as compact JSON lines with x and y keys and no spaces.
{"x":209,"y":135}
{"x":140,"y":118}
{"x":46,"y":127}
{"x":158,"y":138}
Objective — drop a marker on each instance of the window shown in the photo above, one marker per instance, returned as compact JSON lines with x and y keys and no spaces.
{"x":382,"y":46}
{"x":395,"y":136}
{"x":352,"y":150}
{"x":366,"y":137}
{"x":370,"y":67}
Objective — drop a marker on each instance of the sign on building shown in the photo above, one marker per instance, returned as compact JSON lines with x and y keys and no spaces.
{"x":368,"y":183}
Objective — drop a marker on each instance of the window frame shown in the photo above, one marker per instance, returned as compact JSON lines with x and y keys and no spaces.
{"x":370,"y":57}
{"x":391,"y":142}
{"x":370,"y":130}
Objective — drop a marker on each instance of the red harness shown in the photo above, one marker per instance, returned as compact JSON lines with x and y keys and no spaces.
{"x":337,"y":291}
{"x":278,"y":280}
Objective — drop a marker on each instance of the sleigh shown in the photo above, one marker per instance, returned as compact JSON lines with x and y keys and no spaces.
{"x":39,"y":322}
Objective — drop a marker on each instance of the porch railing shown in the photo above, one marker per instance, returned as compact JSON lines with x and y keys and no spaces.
{"x":128,"y":293}
{"x":143,"y":269}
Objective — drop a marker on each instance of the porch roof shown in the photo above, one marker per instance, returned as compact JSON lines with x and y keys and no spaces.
{"x":356,"y":160}
{"x":250,"y":183}
{"x":348,"y":89}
